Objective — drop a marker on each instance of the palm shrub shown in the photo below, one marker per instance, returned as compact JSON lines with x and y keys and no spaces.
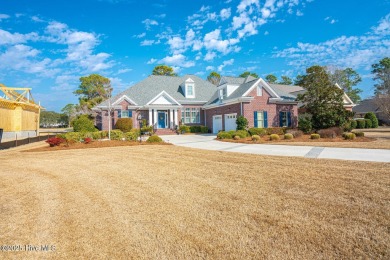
{"x":255,"y":138}
{"x":373,"y":118}
{"x":288,"y":136}
{"x":241,"y":133}
{"x":242,"y":123}
{"x":132,"y":135}
{"x":359,"y":134}
{"x":117,"y":135}
{"x":314,"y":136}
{"x":236,"y":137}
{"x":349,"y":136}
{"x":353,"y":124}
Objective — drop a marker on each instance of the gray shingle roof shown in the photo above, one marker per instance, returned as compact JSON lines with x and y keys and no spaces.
{"x":286,"y":91}
{"x":367,"y":105}
{"x":233,"y":80}
{"x":145,"y":90}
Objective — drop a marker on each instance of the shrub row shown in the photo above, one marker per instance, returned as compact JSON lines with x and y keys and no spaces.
{"x":267,"y":131}
{"x":193,"y":129}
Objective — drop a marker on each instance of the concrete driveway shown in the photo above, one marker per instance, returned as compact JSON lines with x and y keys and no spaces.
{"x":207,"y":142}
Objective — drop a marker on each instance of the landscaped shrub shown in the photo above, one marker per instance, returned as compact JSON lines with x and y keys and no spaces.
{"x":204,"y":129}
{"x":295,"y":133}
{"x":373,"y":118}
{"x":368,"y":123}
{"x":255,"y":138}
{"x":104,"y":134}
{"x":276,"y":130}
{"x":54,"y":141}
{"x":97,"y":135}
{"x":83,"y":124}
{"x":327,"y":133}
{"x":231,"y":132}
{"x":154,"y":139}
{"x":87,"y":140}
{"x":359,"y":134}
{"x":349,"y":136}
{"x":117,"y":135}
{"x":314,"y":136}
{"x":353,"y":124}
{"x":288,"y":136}
{"x":224,"y":135}
{"x":241,"y":133}
{"x":360,"y":123}
{"x":274,"y":137}
{"x":242,"y":123}
{"x":73,"y":137}
{"x":185,"y":129}
{"x":195,"y":129}
{"x":132,"y":135}
{"x":147,"y":129}
{"x":304,"y":123}
{"x":236,"y":137}
{"x":124,"y":124}
{"x":257,"y":131}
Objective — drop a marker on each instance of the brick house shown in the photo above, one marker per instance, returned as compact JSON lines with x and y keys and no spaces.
{"x":165,"y":102}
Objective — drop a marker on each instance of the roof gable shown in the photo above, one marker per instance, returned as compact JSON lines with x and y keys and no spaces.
{"x":163,"y":98}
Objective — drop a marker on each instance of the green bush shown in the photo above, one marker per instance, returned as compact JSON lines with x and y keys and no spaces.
{"x":327,"y":133}
{"x":147,"y":129}
{"x":288,"y":136}
{"x":314,"y":136}
{"x":104,"y":134}
{"x":347,"y":127}
{"x":359,"y":134}
{"x":373,"y":118}
{"x":304,"y":123}
{"x":276,"y":130}
{"x":83,"y":124}
{"x":224,"y":135}
{"x":360,"y":124}
{"x":231,"y":132}
{"x":368,"y":123}
{"x":274,"y":137}
{"x":132,"y":135}
{"x":255,"y":138}
{"x":257,"y":131}
{"x":236,"y":137}
{"x":241,"y":133}
{"x":242,"y":123}
{"x":185,"y":129}
{"x":195,"y":129}
{"x":353,"y":124}
{"x":349,"y":136}
{"x":117,"y":135}
{"x":73,"y":137}
{"x":124,"y":124}
{"x":204,"y":129}
{"x":295,"y":133}
{"x":154,"y":139}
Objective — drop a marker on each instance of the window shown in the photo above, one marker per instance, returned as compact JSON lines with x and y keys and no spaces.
{"x":261,"y":119}
{"x":259,"y":91}
{"x":124,"y":113}
{"x":284,"y":119}
{"x":190,"y":115}
{"x":190,"y":91}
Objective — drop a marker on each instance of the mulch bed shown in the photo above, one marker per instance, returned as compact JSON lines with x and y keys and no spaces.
{"x":93,"y":144}
{"x":304,"y":138}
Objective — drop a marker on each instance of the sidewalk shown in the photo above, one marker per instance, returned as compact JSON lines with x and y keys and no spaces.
{"x":207,"y":142}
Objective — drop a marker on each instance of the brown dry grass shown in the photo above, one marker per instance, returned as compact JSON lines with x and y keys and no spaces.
{"x":168,"y":202}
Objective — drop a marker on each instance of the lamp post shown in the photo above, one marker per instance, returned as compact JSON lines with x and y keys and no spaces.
{"x":139,"y":118}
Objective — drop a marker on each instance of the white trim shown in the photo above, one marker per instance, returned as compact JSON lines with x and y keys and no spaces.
{"x":229,"y":102}
{"x":159,"y":95}
{"x":265,"y":85}
{"x":150,"y":117}
{"x":183,"y":102}
{"x":346,"y":97}
{"x":123,"y":98}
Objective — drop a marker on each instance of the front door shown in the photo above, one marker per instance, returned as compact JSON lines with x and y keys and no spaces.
{"x":161,"y":119}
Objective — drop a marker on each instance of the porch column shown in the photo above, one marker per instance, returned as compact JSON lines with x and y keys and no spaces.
{"x":170,"y":118}
{"x":150,"y":117}
{"x":176,"y":117}
{"x":155,"y":117}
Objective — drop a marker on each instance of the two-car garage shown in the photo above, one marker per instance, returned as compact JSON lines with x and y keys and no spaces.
{"x":230,"y":122}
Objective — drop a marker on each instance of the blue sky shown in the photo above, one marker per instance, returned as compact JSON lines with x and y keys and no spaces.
{"x":49,"y":45}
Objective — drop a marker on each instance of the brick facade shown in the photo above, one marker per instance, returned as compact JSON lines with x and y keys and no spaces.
{"x":229,"y":109}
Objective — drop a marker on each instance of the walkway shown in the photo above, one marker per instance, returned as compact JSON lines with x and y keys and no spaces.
{"x":207,"y":142}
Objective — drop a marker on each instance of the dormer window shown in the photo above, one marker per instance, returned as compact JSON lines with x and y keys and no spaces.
{"x":189,"y":88}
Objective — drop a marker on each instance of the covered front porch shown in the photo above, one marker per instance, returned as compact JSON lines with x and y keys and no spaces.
{"x":163,"y":117}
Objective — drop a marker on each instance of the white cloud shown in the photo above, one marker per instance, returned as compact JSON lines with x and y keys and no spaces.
{"x":37,"y":19}
{"x":178,"y":60}
{"x":210,"y":68}
{"x":210,"y":56}
{"x":3,"y":17}
{"x":121,"y":71}
{"x":147,"y":42}
{"x":15,"y":38}
{"x":225,"y":13}
{"x":139,"y":36}
{"x":149,"y":23}
{"x":224,"y":64}
{"x":151,"y":61}
{"x":212,"y":42}
{"x":353,"y":51}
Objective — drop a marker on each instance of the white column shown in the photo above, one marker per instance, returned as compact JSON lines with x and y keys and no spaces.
{"x":176,"y":117}
{"x":150,"y":117}
{"x":170,"y":118}
{"x":155,"y":117}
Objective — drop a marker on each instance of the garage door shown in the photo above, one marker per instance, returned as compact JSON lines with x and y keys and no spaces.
{"x":217,"y":124}
{"x":230,"y":122}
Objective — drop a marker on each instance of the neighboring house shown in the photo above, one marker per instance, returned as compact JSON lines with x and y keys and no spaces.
{"x":369,"y":105}
{"x":165,"y":102}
